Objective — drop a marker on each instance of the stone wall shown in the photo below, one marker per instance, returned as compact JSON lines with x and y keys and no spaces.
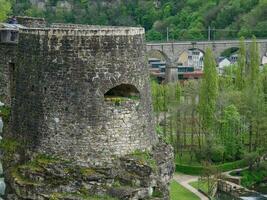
{"x":62,"y":77}
{"x":7,"y":66}
{"x":137,"y":176}
{"x":81,"y":116}
{"x":32,"y":22}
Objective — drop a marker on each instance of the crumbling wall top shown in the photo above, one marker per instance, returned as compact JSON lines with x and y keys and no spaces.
{"x":32,"y":22}
{"x":85,"y":31}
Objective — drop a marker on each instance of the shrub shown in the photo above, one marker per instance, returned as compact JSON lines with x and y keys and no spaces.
{"x":217,"y":153}
{"x":197,"y":170}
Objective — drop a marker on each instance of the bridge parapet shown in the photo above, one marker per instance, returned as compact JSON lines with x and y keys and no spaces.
{"x":173,"y":50}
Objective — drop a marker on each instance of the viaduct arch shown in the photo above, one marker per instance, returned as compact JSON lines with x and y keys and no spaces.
{"x":173,"y":49}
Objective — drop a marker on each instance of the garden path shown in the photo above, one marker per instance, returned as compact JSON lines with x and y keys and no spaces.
{"x":184,"y":180}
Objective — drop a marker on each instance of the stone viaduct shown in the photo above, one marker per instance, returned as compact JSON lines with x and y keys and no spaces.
{"x":172,"y":50}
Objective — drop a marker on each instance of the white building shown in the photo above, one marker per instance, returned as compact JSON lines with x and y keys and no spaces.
{"x":195,"y":59}
{"x":264,"y":60}
{"x":234,"y":58}
{"x":222,"y":63}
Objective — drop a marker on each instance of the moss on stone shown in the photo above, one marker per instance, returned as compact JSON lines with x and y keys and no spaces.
{"x":116,"y":183}
{"x":117,"y":100}
{"x":157,"y":193}
{"x":5,"y":112}
{"x":21,"y":179}
{"x":43,"y":159}
{"x":144,"y":158}
{"x":32,"y":166}
{"x":9,"y":147}
{"x":59,"y":196}
{"x":88,"y":171}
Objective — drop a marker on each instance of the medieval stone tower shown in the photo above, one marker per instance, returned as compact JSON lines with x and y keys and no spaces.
{"x":81,"y":93}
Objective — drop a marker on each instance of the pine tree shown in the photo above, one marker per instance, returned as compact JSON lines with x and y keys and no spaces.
{"x":208,"y":92}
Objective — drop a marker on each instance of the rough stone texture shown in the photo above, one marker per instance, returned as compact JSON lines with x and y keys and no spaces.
{"x":7,"y":79}
{"x":62,"y":76}
{"x":31,"y":22}
{"x":132,"y":177}
{"x":60,"y":83}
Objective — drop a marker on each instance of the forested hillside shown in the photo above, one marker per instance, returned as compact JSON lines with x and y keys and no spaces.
{"x":184,"y":19}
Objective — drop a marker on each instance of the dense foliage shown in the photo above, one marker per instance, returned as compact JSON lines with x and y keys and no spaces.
{"x":184,"y":19}
{"x":219,"y":118}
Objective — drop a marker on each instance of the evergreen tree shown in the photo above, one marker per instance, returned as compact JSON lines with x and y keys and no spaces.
{"x":208,"y":92}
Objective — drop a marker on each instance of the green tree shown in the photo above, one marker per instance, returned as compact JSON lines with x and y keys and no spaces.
{"x":240,"y":75}
{"x":253,"y":95}
{"x":208,"y":92}
{"x":5,"y":9}
{"x":229,"y":134}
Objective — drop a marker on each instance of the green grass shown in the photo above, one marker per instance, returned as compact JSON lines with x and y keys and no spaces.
{"x":250,"y":178}
{"x":178,"y":192}
{"x":201,"y":185}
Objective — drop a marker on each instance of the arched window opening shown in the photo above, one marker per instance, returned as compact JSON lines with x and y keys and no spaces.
{"x":123,"y":91}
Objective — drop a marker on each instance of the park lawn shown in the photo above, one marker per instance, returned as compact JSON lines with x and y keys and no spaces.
{"x":178,"y":192}
{"x":201,"y":185}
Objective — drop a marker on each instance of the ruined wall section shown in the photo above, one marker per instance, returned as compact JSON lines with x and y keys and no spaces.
{"x":62,"y":77}
{"x":7,"y":65}
{"x":32,"y":22}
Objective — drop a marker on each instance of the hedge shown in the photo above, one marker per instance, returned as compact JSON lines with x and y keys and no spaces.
{"x":197,"y":170}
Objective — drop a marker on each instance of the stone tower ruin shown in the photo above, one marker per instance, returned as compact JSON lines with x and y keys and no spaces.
{"x":81,"y":94}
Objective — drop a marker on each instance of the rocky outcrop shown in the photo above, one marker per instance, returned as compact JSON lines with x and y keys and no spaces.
{"x":140,"y":175}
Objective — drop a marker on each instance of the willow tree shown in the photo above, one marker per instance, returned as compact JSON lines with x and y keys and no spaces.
{"x":240,"y":75}
{"x":5,"y":8}
{"x":208,"y":92}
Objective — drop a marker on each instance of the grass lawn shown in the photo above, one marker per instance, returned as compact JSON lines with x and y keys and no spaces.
{"x":250,"y":178}
{"x":178,"y":192}
{"x":202,"y":185}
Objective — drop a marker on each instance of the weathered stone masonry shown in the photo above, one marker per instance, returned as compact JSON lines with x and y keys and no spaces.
{"x":62,"y":107}
{"x":64,"y":74}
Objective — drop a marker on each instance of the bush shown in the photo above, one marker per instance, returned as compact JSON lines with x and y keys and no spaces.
{"x":188,"y":169}
{"x":263,"y":165}
{"x":217,"y":153}
{"x":231,"y":165}
{"x":200,"y":154}
{"x":198,"y":170}
{"x":251,"y":158}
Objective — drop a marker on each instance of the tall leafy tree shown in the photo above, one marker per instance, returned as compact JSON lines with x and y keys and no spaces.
{"x":5,"y":8}
{"x":253,"y":94}
{"x":208,"y":92}
{"x":240,"y":75}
